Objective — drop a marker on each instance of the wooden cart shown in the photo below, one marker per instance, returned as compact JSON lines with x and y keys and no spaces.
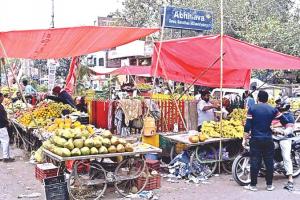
{"x":91,"y":174}
{"x":206,"y":153}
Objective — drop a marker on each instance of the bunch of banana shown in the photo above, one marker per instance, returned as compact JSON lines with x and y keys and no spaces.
{"x":295,"y":105}
{"x":226,"y":128}
{"x":239,"y":115}
{"x":271,"y":101}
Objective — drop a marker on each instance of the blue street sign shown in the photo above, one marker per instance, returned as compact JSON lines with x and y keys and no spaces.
{"x":185,"y":18}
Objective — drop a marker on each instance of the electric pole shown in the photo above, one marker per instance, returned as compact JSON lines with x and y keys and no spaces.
{"x":52,"y":15}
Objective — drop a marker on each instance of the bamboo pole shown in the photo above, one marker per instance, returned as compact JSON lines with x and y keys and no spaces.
{"x":221,"y":80}
{"x":14,"y":76}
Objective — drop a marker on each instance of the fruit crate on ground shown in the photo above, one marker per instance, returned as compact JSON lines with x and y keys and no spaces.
{"x":153,"y":165}
{"x":45,"y":170}
{"x":154,"y":182}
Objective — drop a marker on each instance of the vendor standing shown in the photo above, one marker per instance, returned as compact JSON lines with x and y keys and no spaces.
{"x":205,"y":109}
{"x":4,"y":137}
{"x":61,"y":95}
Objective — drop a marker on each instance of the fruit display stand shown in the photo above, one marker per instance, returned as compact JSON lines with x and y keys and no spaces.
{"x":206,"y":153}
{"x":24,"y":137}
{"x":90,"y":180}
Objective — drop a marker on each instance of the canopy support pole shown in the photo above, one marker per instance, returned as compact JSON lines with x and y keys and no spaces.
{"x":172,"y":91}
{"x":14,"y":76}
{"x":221,"y":81}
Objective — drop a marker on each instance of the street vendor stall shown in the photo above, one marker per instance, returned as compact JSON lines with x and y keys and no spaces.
{"x":65,"y":139}
{"x":90,"y":179}
{"x":204,"y":156}
{"x":214,"y":61}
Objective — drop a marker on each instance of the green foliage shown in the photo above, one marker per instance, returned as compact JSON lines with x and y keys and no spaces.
{"x":273,"y":24}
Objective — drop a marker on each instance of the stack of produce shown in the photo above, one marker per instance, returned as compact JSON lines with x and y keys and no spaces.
{"x":143,"y":86}
{"x":239,"y":115}
{"x":69,"y":142}
{"x":198,"y":138}
{"x":42,"y":114}
{"x":230,"y":129}
{"x":66,"y":125}
{"x":16,"y":108}
{"x":170,"y":97}
{"x":271,"y":101}
{"x":295,"y":105}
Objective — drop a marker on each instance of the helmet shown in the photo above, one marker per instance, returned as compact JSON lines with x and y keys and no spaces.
{"x":284,"y":107}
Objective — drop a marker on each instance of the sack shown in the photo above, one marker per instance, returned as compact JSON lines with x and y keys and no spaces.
{"x":138,"y":123}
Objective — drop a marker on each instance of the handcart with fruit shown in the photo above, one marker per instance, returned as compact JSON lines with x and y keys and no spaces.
{"x":206,"y":152}
{"x":92,"y":174}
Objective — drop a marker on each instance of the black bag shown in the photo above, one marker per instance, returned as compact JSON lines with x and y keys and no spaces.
{"x":138,"y":123}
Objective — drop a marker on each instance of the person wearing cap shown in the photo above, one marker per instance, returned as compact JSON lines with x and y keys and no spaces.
{"x":205,"y":109}
{"x":4,"y":137}
{"x":61,"y":96}
{"x":286,"y":131}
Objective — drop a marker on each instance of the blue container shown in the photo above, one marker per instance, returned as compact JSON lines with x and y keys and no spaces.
{"x":151,"y":156}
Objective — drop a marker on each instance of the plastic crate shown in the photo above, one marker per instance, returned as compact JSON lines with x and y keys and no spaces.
{"x":154,"y":182}
{"x":153,"y":165}
{"x":81,"y":168}
{"x":45,"y":170}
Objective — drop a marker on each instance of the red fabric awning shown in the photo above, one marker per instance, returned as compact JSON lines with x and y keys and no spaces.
{"x":101,"y":70}
{"x":128,"y":70}
{"x":184,"y":59}
{"x":67,"y":42}
{"x":133,"y":70}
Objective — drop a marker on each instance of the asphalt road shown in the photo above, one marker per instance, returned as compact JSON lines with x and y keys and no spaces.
{"x":18,"y":178}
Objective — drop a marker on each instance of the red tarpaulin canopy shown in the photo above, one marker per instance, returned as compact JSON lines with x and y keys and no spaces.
{"x":67,"y":42}
{"x":133,"y":70}
{"x":128,"y":70}
{"x":183,"y":59}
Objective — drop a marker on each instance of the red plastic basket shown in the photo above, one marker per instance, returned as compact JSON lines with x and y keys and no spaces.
{"x":45,"y":170}
{"x":153,"y":165}
{"x":81,"y":168}
{"x":154,"y":182}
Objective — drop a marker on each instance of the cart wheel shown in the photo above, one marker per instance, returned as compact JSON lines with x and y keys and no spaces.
{"x":87,"y":181}
{"x":203,"y":161}
{"x":234,"y":149}
{"x":61,"y":168}
{"x":173,"y":152}
{"x":131,"y":176}
{"x":227,"y":166}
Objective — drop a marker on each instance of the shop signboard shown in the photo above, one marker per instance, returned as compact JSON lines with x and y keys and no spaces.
{"x":52,"y":65}
{"x":186,"y":18}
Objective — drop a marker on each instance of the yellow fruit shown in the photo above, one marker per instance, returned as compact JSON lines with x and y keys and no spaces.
{"x":58,"y":121}
{"x":203,"y":137}
{"x":68,"y":121}
{"x":82,"y":127}
{"x":61,"y":125}
{"x":67,"y":125}
{"x":77,"y":124}
{"x":194,"y":139}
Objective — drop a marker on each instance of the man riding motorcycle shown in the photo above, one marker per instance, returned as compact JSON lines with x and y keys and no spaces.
{"x":283,"y":134}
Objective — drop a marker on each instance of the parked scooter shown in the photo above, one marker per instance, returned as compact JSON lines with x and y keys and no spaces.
{"x":241,"y":164}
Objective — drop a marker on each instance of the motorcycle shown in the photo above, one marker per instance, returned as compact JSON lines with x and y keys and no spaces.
{"x":241,"y":164}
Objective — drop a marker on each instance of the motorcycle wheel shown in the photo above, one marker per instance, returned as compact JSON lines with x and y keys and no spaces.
{"x":241,"y":170}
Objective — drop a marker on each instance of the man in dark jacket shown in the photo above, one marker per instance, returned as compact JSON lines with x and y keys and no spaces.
{"x":258,"y":124}
{"x":61,"y":96}
{"x":4,"y":138}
